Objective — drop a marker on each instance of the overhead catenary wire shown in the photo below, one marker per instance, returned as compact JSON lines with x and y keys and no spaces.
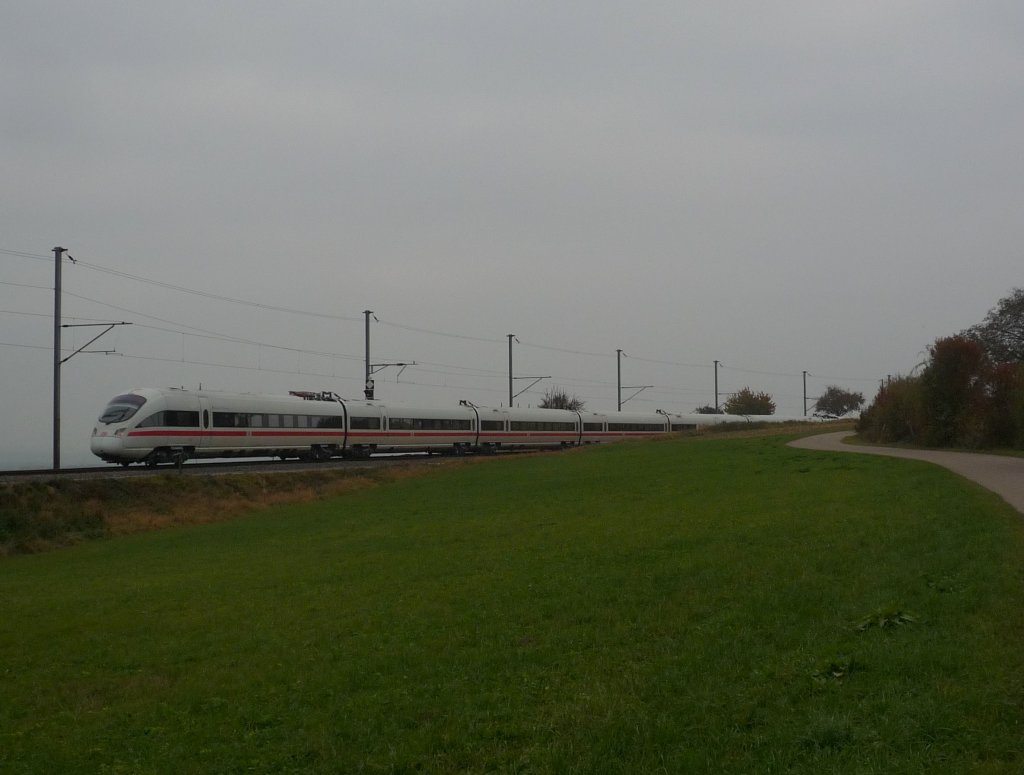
{"x":50,"y":315}
{"x":482,"y":373}
{"x":28,"y":285}
{"x":206,"y":333}
{"x":299,"y":373}
{"x":566,"y":350}
{"x":419,"y":330}
{"x":384,"y":322}
{"x":218,"y":336}
{"x":30,"y":346}
{"x":215,"y":296}
{"x":26,"y":254}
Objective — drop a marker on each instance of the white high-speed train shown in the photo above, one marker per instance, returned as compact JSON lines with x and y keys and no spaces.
{"x":163,"y":425}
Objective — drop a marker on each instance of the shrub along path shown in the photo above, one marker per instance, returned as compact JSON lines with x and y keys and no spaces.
{"x":1002,"y":475}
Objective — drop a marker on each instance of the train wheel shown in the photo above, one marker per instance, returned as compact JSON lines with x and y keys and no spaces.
{"x":319,"y":454}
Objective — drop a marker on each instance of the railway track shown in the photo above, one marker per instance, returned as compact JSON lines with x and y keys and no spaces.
{"x":196,"y":468}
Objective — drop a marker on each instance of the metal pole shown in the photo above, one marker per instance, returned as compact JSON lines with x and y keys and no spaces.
{"x":510,"y":338}
{"x":618,"y":360}
{"x":366,"y":375}
{"x":716,"y":387}
{"x":57,"y":258}
{"x":805,"y":393}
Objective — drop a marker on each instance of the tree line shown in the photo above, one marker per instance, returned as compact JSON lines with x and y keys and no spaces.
{"x":968,"y":393}
{"x":833,"y":402}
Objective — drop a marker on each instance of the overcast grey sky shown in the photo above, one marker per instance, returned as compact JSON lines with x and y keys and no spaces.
{"x":782,"y":186}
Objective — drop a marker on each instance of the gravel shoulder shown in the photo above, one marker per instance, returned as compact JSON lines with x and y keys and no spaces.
{"x":1002,"y":475}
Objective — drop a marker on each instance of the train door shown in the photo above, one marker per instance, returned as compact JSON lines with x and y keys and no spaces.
{"x":205,"y":422}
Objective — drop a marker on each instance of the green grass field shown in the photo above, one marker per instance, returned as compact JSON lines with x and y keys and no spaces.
{"x":695,"y":605}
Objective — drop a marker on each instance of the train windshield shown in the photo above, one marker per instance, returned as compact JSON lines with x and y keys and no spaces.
{"x":121,"y":408}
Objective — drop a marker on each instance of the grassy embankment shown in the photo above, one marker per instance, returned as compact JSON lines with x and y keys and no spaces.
{"x":42,"y":515}
{"x":680,"y":606}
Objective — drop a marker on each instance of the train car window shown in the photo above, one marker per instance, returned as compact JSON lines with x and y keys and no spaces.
{"x":171,"y":419}
{"x":430,"y":424}
{"x":180,"y":419}
{"x":273,"y":421}
{"x":635,"y":426}
{"x":155,"y":420}
{"x":331,"y":421}
{"x":492,"y":425}
{"x":676,"y":426}
{"x":287,"y":420}
{"x":589,"y":427}
{"x":230,"y":420}
{"x":365,"y":423}
{"x":122,"y":408}
{"x":256,"y":420}
{"x":206,"y":418}
{"x":302,"y":421}
{"x":530,"y":425}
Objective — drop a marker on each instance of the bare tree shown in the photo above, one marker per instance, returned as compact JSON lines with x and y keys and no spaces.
{"x":707,"y":409}
{"x":1002,"y":331}
{"x":557,"y":398}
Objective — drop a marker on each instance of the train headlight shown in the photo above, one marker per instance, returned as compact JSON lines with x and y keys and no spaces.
{"x":120,"y":432}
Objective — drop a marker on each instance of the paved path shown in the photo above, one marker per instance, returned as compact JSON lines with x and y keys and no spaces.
{"x":1003,"y":475}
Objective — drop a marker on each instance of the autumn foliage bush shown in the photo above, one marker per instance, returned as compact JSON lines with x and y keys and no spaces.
{"x":960,"y":399}
{"x":895,"y":414}
{"x":746,"y":401}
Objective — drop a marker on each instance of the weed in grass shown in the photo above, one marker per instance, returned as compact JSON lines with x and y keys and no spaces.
{"x":835,"y":670}
{"x":885,"y":619}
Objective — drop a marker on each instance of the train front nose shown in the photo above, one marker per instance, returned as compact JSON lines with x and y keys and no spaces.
{"x":105,"y":443}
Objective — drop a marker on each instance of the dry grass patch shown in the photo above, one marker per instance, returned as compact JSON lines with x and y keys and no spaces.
{"x":199,"y":509}
{"x":41,"y":516}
